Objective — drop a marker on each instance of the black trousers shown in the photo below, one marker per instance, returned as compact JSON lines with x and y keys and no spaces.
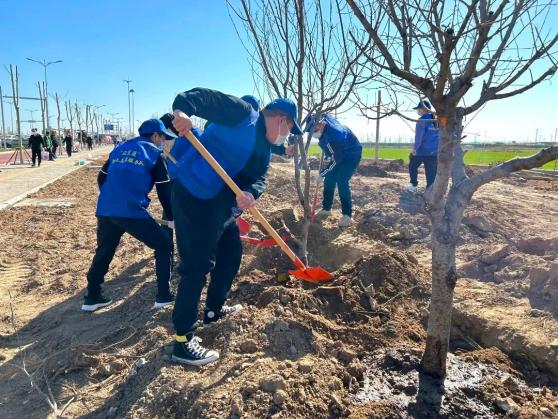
{"x":69,"y":150}
{"x":36,"y":154}
{"x":430,"y":167}
{"x":54,"y":148}
{"x":146,"y":230}
{"x":208,"y":241}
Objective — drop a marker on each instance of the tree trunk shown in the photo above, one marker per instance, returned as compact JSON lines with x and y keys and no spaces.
{"x":444,"y":278}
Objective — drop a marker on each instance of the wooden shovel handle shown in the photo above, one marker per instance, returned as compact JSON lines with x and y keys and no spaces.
{"x":238,"y":192}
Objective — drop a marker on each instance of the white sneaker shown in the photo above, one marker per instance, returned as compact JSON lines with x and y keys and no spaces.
{"x":345,"y":221}
{"x":411,"y":188}
{"x":321,"y":214}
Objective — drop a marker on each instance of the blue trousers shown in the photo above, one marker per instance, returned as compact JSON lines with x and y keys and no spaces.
{"x":430,"y":168}
{"x":340,"y":175}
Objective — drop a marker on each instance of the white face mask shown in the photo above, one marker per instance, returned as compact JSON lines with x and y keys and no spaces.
{"x":316,"y":135}
{"x":281,"y":138}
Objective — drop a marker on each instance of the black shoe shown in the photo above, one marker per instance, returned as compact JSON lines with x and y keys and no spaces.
{"x":192,"y":353}
{"x":212,"y":316}
{"x":92,"y":303}
{"x":162,"y":301}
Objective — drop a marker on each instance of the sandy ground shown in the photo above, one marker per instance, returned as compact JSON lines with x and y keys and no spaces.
{"x":297,"y":350}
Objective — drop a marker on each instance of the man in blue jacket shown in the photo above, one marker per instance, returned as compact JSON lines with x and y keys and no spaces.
{"x":425,"y":149}
{"x":342,"y":148}
{"x":125,"y":181}
{"x":208,"y":239}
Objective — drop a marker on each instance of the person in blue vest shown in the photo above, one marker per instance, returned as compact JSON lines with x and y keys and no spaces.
{"x":125,"y":181}
{"x":343,"y":150}
{"x":207,"y":235}
{"x":425,"y":149}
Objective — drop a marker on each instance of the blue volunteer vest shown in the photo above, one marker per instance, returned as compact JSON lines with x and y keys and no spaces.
{"x":230,"y":146}
{"x":126,"y":188}
{"x":429,"y":145}
{"x":181,"y":144}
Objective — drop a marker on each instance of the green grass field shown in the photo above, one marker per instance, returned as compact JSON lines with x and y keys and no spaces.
{"x":476,"y":157}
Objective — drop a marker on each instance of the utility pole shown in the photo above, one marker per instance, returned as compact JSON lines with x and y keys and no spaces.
{"x":3,"y":124}
{"x":129,"y":108}
{"x":45,"y":64}
{"x":32,"y":120}
{"x":377,"y":146}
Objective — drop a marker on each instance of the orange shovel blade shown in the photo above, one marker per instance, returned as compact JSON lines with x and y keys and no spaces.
{"x":314,"y":275}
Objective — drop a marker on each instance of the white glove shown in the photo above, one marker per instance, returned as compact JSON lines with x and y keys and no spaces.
{"x":318,"y":179}
{"x":170,"y":224}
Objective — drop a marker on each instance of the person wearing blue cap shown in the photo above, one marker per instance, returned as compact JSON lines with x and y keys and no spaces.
{"x":342,"y":148}
{"x":425,"y":149}
{"x":208,"y":239}
{"x":125,"y":181}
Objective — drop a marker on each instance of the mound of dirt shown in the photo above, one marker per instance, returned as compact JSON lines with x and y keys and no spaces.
{"x":368,"y":168}
{"x":543,"y":291}
{"x":348,"y":348}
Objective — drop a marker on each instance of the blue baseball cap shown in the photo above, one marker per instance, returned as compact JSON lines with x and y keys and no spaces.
{"x":253,"y":101}
{"x":288,"y":107}
{"x":154,"y":126}
{"x":311,"y":122}
{"x":424,"y":104}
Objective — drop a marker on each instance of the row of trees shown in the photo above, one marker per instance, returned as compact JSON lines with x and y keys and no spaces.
{"x":329,"y":55}
{"x":85,"y":117}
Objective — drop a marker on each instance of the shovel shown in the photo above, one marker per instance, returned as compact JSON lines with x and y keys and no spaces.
{"x":243,"y":225}
{"x":310,"y":274}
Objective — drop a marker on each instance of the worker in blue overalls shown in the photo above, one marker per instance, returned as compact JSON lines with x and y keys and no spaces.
{"x":343,"y":151}
{"x":208,"y":239}
{"x":125,"y":181}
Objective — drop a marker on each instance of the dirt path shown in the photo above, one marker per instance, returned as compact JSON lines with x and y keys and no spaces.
{"x":297,"y":350}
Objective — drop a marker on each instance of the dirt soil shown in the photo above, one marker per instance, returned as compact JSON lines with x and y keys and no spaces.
{"x":349,"y":348}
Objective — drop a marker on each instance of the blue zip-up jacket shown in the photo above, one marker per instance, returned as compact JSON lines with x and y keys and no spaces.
{"x":427,"y":134}
{"x":235,"y":138}
{"x":129,"y":180}
{"x":338,"y":141}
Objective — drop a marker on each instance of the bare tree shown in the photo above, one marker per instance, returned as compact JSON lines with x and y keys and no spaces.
{"x":79,"y":121}
{"x":441,"y":49}
{"x":57,"y":99}
{"x":14,"y":77}
{"x":70,"y":116}
{"x":42,"y":99}
{"x":298,"y":50}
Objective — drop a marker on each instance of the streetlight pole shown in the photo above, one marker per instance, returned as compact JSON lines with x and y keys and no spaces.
{"x":129,"y":109}
{"x":45,"y":64}
{"x":132,"y":91}
{"x":32,"y":117}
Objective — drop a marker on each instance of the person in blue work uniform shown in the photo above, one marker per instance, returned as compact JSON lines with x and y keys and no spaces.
{"x":342,"y":148}
{"x":208,"y":239}
{"x":125,"y":181}
{"x":425,"y":149}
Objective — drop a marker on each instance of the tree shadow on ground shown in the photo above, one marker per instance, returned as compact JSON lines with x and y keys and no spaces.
{"x":428,"y":402}
{"x":58,"y":341}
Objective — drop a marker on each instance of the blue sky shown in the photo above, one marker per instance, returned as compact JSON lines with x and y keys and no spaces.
{"x":169,"y":46}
